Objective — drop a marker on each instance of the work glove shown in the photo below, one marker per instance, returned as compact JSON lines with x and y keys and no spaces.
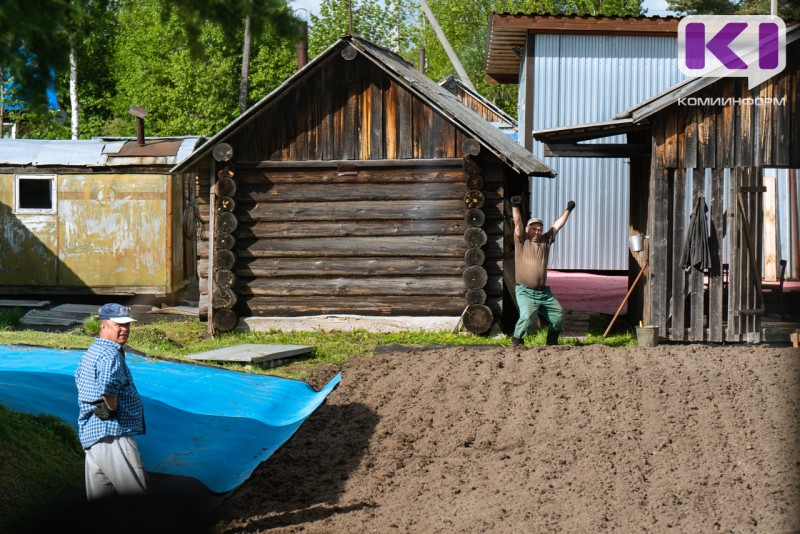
{"x":102,"y":411}
{"x":570,"y":205}
{"x":516,"y":200}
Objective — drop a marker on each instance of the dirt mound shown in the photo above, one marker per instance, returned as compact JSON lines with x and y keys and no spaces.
{"x":549,"y":439}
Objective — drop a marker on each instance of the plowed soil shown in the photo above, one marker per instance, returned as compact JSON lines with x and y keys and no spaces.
{"x":676,"y":438}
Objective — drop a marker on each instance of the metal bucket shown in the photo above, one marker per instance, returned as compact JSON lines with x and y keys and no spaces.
{"x":637,"y":243}
{"x":647,"y":336}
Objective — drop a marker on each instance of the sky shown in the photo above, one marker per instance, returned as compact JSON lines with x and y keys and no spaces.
{"x":654,"y":7}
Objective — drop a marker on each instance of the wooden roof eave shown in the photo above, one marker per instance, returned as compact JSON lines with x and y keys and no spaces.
{"x":569,"y":141}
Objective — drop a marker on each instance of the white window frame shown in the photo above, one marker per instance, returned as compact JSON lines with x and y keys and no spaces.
{"x":53,"y":193}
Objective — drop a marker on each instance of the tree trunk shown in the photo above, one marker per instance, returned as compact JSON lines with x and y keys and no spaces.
{"x":245,"y":86}
{"x":73,"y":88}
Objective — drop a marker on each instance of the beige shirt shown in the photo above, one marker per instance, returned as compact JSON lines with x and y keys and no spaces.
{"x":530,"y":259}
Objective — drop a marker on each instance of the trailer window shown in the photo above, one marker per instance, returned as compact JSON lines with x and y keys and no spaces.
{"x":35,"y":194}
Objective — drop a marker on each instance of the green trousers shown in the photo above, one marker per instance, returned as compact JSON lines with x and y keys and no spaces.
{"x":533,"y":301}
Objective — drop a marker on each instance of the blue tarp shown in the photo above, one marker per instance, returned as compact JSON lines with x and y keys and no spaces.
{"x":211,"y":424}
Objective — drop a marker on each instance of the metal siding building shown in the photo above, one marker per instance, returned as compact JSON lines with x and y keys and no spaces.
{"x":581,"y":79}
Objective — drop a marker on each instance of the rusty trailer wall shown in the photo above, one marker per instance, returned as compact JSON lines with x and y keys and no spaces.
{"x":102,"y":233}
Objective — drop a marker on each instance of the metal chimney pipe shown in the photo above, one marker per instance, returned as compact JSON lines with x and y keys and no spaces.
{"x":302,"y":45}
{"x":422,"y":60}
{"x":140,"y":114}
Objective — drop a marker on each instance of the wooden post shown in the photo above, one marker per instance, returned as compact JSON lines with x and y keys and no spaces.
{"x":210,"y":270}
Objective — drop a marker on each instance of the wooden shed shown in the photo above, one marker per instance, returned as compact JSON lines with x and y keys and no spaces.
{"x":706,"y":139}
{"x":481,"y":105}
{"x":358,"y":187}
{"x":100,"y":216}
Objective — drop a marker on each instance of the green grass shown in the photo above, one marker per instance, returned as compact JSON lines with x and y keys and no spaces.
{"x":41,"y":468}
{"x":177,"y":339}
{"x":9,"y":318}
{"x":41,"y":461}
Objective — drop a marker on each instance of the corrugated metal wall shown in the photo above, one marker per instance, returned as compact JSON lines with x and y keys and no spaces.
{"x":580,"y":79}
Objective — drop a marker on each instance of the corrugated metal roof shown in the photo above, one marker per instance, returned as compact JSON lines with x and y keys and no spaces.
{"x":98,"y":152}
{"x":508,"y":33}
{"x":417,"y":84}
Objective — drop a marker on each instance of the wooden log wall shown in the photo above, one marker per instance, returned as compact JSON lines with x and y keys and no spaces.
{"x":369,"y":241}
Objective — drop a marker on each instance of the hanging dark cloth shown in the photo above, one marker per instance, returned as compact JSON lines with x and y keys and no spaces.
{"x":695,"y":249}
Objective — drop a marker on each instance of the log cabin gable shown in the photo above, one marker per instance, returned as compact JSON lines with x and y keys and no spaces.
{"x":348,"y":110}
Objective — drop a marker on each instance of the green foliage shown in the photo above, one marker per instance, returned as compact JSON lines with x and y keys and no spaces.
{"x":91,"y":325}
{"x":42,"y":468}
{"x":786,"y":9}
{"x":9,"y":318}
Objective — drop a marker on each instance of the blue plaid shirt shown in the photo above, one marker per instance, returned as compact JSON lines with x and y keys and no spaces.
{"x":103,"y":371}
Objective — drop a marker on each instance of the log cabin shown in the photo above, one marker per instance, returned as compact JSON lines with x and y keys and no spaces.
{"x":359,"y":187}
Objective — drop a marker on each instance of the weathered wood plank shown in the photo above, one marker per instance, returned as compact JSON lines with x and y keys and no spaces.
{"x":715,"y":283}
{"x":367,"y":266}
{"x":358,"y":286}
{"x":364,"y":210}
{"x":689,"y":137}
{"x":411,"y":246}
{"x":783,"y":119}
{"x":678,"y":236}
{"x":313,"y":122}
{"x":357,"y":228}
{"x":765,"y":126}
{"x":671,"y":141}
{"x":734,"y":325}
{"x":343,"y":192}
{"x":660,"y":241}
{"x":364,"y":103}
{"x":385,"y":305}
{"x":747,"y":137}
{"x":726,"y":124}
{"x":325,"y":139}
{"x":697,"y":292}
{"x":300,"y":151}
{"x":443,"y":137}
{"x":405,"y":128}
{"x":390,"y":119}
{"x":365,"y":175}
{"x":707,"y":135}
{"x":351,"y":120}
{"x":376,"y":88}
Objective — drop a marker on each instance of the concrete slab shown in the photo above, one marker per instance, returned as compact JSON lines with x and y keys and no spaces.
{"x":347,"y":323}
{"x":253,"y":353}
{"x":14,"y":303}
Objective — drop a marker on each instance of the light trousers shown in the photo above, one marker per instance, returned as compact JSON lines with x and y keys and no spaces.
{"x":113,"y":466}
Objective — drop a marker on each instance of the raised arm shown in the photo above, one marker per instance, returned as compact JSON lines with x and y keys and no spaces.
{"x":564,"y":216}
{"x":519,"y":229}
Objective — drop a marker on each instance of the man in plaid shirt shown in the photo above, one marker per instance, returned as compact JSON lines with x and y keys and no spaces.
{"x":111,"y":411}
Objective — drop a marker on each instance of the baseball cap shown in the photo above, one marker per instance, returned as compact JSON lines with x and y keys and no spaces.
{"x":115,"y":312}
{"x":534,"y":220}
